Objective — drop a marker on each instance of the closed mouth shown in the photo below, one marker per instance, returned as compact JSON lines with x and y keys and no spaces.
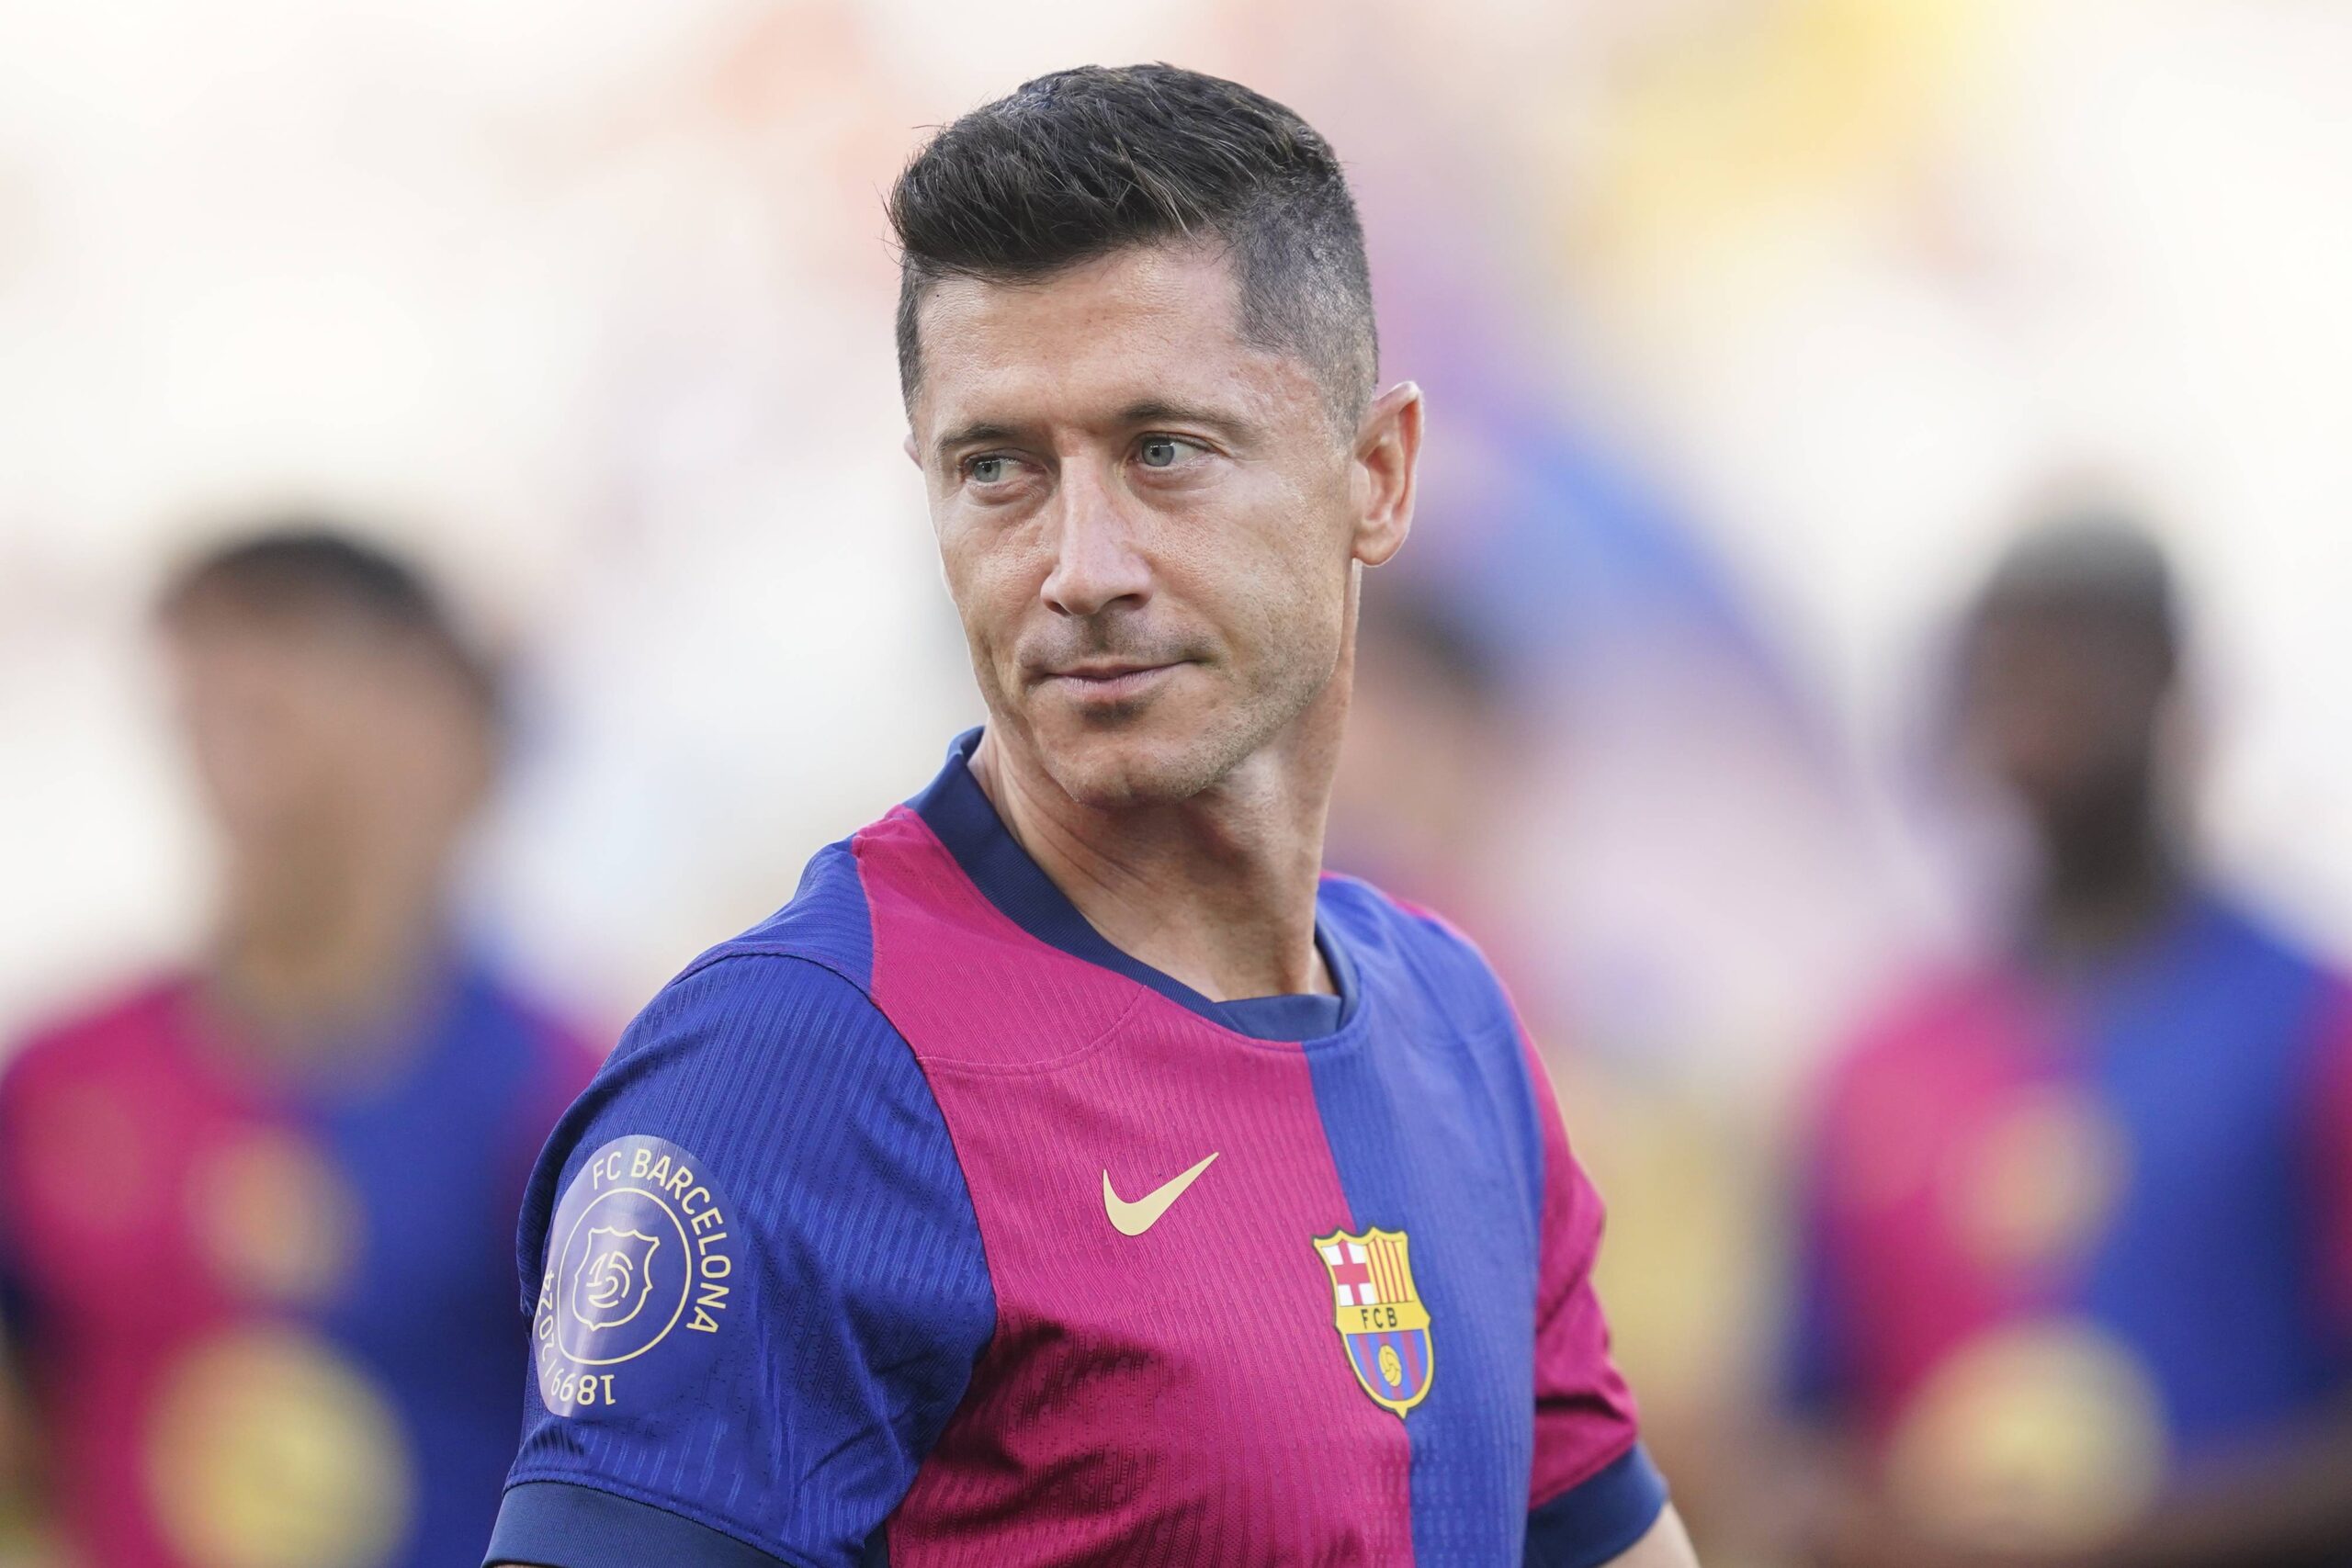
{"x":1106,"y":680}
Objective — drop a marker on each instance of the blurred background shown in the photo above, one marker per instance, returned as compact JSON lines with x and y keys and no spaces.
{"x":1753,"y":331}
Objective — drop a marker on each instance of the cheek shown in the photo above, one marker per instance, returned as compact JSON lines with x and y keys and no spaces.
{"x":1275,"y":592}
{"x":987,"y":579}
{"x":256,"y":762}
{"x":1301,"y":565}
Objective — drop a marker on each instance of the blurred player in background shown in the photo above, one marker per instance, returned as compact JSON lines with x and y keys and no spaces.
{"x":258,"y":1216}
{"x":2078,"y":1229}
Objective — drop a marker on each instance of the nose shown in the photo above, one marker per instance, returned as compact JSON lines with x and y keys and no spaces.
{"x":1096,"y":563}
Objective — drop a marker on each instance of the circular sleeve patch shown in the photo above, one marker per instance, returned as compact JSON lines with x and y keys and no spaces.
{"x":640,"y":1275}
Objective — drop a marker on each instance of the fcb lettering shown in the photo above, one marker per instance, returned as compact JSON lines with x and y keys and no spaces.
{"x":638,"y":1268}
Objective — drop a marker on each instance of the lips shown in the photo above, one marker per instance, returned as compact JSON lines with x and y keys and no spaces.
{"x":1107,"y":682}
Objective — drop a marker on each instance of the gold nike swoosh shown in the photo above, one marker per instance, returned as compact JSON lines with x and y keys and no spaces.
{"x":1134,"y":1219}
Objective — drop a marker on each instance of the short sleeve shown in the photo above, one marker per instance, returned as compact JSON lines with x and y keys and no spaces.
{"x":756,"y":1285}
{"x":1594,"y":1491}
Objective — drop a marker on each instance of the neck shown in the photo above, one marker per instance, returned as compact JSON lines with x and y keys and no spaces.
{"x":1216,"y":890}
{"x":2107,"y":883}
{"x":319,"y":940}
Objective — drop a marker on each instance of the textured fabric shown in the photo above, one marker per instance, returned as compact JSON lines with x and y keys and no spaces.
{"x":1446,"y":1128}
{"x":959,"y":815}
{"x":204,"y":1254}
{"x":1582,"y":1405}
{"x":1600,"y":1519}
{"x":1108,"y":1279}
{"x":2120,"y":1205}
{"x":546,"y":1524}
{"x":1128,"y":1408}
{"x":790,"y":1413}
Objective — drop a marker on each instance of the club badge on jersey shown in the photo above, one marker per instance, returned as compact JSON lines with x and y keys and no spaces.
{"x":1381,"y":1323}
{"x":639,"y":1265}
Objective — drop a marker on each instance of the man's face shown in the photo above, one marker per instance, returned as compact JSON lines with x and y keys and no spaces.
{"x":2061,"y":708}
{"x":307,"y":725}
{"x":1148,"y":524}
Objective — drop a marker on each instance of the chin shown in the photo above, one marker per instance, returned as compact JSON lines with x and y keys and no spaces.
{"x":1139,"y":761}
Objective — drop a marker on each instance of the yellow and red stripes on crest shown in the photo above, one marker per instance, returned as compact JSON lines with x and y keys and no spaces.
{"x":1389,"y":1280}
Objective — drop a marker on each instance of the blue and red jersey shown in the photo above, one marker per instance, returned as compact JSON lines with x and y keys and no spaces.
{"x":921,"y":1225}
{"x":2065,"y":1239}
{"x":263,"y":1304}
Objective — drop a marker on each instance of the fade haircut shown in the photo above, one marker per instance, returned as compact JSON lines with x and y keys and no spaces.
{"x":1083,"y":163}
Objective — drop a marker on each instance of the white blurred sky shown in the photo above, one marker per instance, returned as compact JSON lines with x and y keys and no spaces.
{"x":593,"y":299}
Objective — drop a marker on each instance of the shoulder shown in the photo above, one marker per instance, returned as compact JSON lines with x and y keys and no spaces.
{"x":794,"y":989}
{"x":743,"y":1043}
{"x":119,"y":1029}
{"x":1904,"y":1039}
{"x":827,"y":923}
{"x":2277,"y":986}
{"x":2245,"y":945}
{"x":1434,"y":981}
{"x":1925,"y":1006}
{"x":787,"y":1096}
{"x":767,"y":1046}
{"x":506,"y":1029}
{"x":1395,"y":939}
{"x":750,"y":1238}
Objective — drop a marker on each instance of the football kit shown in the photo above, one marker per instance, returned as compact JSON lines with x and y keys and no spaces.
{"x":2065,"y":1239}
{"x":263,"y":1309}
{"x":921,"y":1225}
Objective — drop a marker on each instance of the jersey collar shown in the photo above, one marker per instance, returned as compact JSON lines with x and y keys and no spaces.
{"x":959,"y":813}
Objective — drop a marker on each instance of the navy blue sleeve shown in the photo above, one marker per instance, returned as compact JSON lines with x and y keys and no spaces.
{"x":1600,"y":1519}
{"x":758,"y":1285}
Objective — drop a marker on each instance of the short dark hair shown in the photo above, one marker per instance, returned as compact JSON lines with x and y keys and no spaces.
{"x":2095,"y":563}
{"x":1083,"y":163}
{"x":307,"y":563}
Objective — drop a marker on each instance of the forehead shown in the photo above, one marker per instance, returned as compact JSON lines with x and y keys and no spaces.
{"x":227,"y":623}
{"x":310,"y":648}
{"x":1147,"y":324}
{"x":2038,"y":647}
{"x":2063,"y":626}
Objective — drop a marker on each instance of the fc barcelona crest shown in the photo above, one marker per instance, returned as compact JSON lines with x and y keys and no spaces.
{"x":1380,"y":1317}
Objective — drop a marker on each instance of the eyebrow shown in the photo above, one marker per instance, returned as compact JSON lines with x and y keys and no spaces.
{"x":971,"y":435}
{"x":1149,"y":410}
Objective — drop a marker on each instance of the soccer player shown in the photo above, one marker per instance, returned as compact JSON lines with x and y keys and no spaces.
{"x":2078,"y":1282}
{"x":253,"y":1216}
{"x":1071,"y":1173}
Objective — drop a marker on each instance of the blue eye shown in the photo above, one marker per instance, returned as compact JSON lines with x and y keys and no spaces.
{"x":1160,"y":451}
{"x":987,"y":470}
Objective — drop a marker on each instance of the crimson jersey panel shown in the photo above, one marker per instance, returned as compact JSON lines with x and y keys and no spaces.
{"x":922,"y":1226}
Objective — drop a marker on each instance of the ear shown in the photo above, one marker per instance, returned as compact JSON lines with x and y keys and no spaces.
{"x":908,"y":447}
{"x":1387,"y":459}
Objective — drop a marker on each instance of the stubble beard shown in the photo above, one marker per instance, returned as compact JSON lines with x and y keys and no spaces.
{"x":1138,"y":760}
